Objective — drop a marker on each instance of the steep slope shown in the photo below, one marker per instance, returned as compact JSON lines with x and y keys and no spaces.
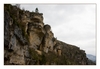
{"x":28,"y":41}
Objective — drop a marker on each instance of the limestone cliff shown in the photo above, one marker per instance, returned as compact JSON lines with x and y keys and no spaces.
{"x":28,"y":41}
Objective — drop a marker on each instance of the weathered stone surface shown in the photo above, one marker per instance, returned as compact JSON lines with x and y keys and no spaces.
{"x":12,"y":43}
{"x":39,"y":52}
{"x":59,"y":52}
{"x":35,"y":39}
{"x":6,"y":28}
{"x":17,"y":59}
{"x":26,"y":51}
{"x":18,"y":33}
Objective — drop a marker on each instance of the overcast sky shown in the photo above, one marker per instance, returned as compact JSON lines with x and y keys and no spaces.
{"x":71,"y":23}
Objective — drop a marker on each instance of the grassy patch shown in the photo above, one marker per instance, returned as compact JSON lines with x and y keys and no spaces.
{"x":35,"y":56}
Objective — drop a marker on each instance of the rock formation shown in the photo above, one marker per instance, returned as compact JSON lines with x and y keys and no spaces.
{"x":28,"y":41}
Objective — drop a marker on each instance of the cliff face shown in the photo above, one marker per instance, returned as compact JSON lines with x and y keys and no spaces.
{"x":28,"y":41}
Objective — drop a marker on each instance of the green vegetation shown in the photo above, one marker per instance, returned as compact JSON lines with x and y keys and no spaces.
{"x":39,"y":58}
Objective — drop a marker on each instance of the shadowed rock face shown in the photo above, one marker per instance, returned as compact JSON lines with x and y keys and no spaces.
{"x":28,"y":41}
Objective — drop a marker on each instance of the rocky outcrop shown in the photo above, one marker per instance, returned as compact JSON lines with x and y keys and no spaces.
{"x":28,"y":41}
